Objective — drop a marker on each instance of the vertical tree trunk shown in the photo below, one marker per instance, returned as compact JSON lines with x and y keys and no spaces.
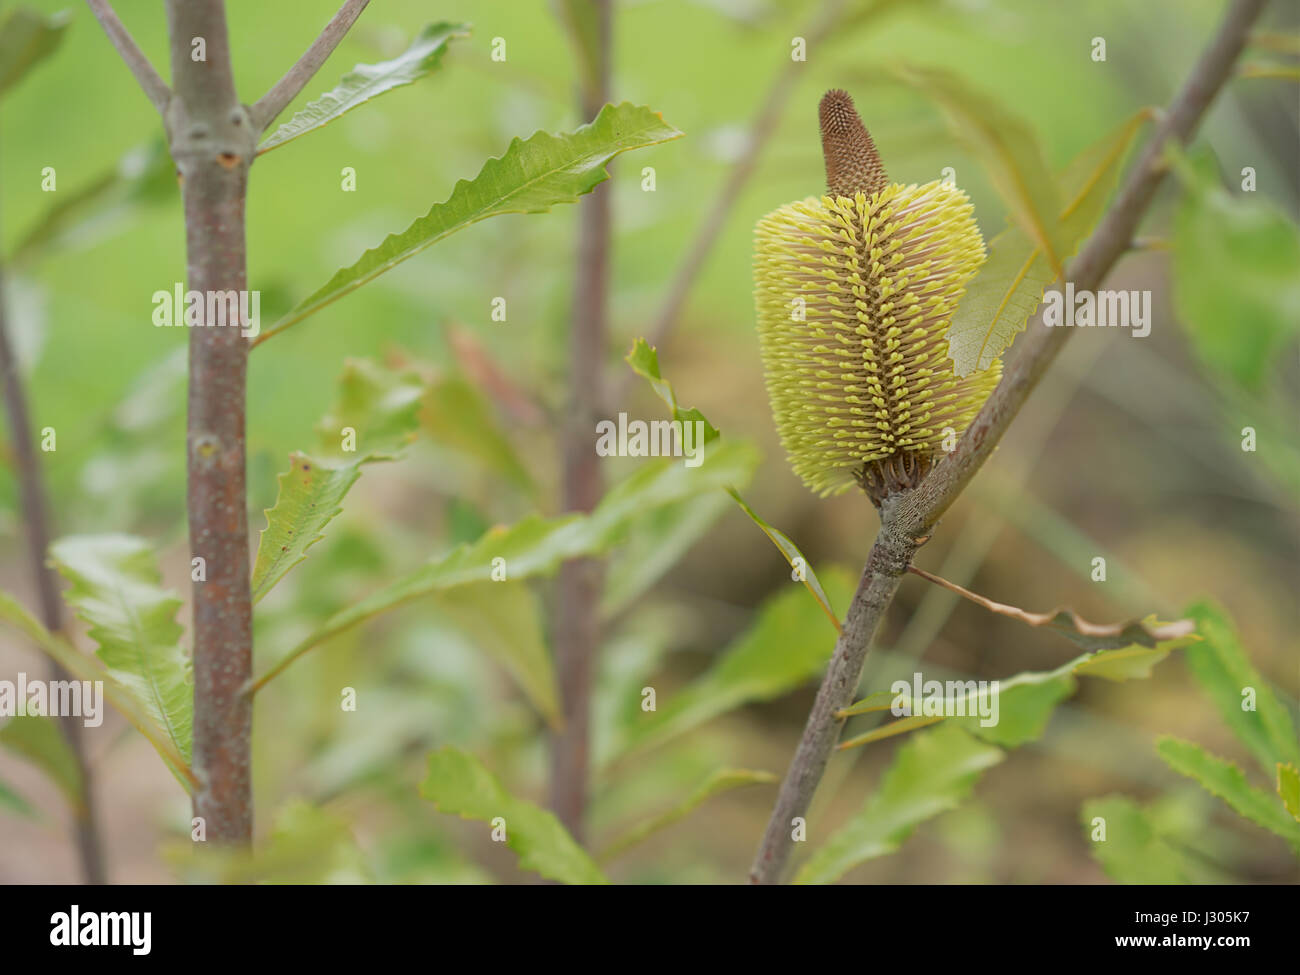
{"x":577,"y":629}
{"x":213,"y":141}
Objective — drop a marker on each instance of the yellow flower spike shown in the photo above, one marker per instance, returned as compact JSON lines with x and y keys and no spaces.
{"x":855,"y":293}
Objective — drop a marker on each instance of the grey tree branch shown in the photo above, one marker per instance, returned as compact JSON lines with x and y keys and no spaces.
{"x":577,"y":610}
{"x":908,"y":518}
{"x":154,"y":87}
{"x":270,"y":105}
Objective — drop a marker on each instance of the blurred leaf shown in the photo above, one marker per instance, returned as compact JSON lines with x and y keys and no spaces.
{"x":367,"y":81}
{"x":144,"y":175}
{"x":38,"y":740}
{"x":720,"y":781}
{"x":307,"y":845}
{"x":786,"y":646}
{"x":1223,"y":779}
{"x":11,"y":801}
{"x":1024,"y":703}
{"x":532,"y":176}
{"x":1009,"y":286}
{"x":1223,"y":670}
{"x":504,"y":620}
{"x":1133,"y":851}
{"x":84,"y":668}
{"x":537,"y":546}
{"x":459,"y":784}
{"x":931,"y":773}
{"x":460,"y":418}
{"x":1236,"y":275}
{"x":1007,"y":146}
{"x":1288,"y":789}
{"x":1277,"y":70}
{"x":27,"y":37}
{"x":115,"y":588}
{"x":379,"y":406}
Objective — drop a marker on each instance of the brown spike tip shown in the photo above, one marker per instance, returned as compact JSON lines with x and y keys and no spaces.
{"x":852,"y":163}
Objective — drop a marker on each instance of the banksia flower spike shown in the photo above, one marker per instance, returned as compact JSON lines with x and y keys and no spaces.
{"x":855,"y":292}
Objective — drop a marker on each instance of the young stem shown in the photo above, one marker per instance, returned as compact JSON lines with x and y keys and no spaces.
{"x":213,"y":141}
{"x":31,"y":492}
{"x":908,"y":518}
{"x":577,"y":627}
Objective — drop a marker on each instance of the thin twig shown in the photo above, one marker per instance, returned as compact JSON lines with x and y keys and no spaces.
{"x":149,"y":79}
{"x":266,"y":108}
{"x":908,"y":518}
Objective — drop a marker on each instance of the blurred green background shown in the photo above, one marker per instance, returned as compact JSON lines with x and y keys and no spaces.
{"x":1130,"y":450}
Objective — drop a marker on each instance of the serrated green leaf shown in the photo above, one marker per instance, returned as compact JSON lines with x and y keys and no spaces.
{"x":84,"y":668}
{"x":1225,"y":780}
{"x":27,"y":37}
{"x":1288,"y":789}
{"x":1236,"y":275}
{"x":377,"y":412}
{"x":1223,"y":670}
{"x":644,"y":360}
{"x":1010,"y":285}
{"x":37,"y":739}
{"x":459,"y":784}
{"x":115,"y":588}
{"x":532,"y":176}
{"x":367,"y":81}
{"x":787,"y":645}
{"x":504,"y":620}
{"x":537,"y":546}
{"x":1009,"y":149}
{"x":932,"y":773}
{"x":720,"y":781}
{"x":1133,"y":851}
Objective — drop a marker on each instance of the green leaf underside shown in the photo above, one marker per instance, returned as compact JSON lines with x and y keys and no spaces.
{"x":537,"y":546}
{"x":86,"y":668}
{"x":532,"y":176}
{"x":1024,"y":702}
{"x":1225,"y":780}
{"x":1010,"y":285}
{"x":723,"y":780}
{"x":787,"y":645}
{"x":27,"y":37}
{"x":461,"y":418}
{"x":1221,"y":667}
{"x":932,"y":773}
{"x":115,"y":588}
{"x":37,"y":740}
{"x":380,"y":407}
{"x":367,"y":81}
{"x":459,"y":785}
